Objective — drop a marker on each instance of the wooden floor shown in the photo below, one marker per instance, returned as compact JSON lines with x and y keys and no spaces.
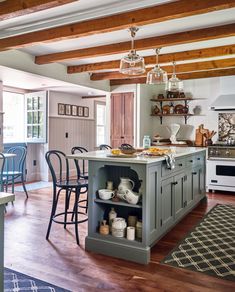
{"x":63,"y":263}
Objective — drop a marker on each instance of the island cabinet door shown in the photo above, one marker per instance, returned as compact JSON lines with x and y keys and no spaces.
{"x":188,"y":188}
{"x":179,"y":190}
{"x":167,"y":211}
{"x":196,"y":184}
{"x":152,"y":212}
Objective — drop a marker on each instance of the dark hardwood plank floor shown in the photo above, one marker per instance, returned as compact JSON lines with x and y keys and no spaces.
{"x":61,"y":262}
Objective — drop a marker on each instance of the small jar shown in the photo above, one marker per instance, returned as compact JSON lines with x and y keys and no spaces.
{"x":139,"y":229}
{"x":112,"y":215}
{"x":104,"y":228}
{"x":146,"y":142}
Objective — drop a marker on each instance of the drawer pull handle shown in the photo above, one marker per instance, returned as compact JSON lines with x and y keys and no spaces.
{"x":194,"y":173}
{"x":180,"y":164}
{"x":198,"y":158}
{"x":174,"y":183}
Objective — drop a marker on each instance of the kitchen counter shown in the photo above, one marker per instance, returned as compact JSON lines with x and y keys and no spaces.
{"x":167,"y":196}
{"x":4,"y":199}
{"x":102,"y":155}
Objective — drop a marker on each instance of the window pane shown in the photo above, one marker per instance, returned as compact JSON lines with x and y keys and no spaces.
{"x":100,"y":124}
{"x":13,"y":106}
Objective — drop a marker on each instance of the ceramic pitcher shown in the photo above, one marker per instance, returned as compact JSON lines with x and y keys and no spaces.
{"x":125,"y":184}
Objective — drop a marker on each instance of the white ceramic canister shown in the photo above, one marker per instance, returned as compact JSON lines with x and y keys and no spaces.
{"x":130,"y":233}
{"x":118,"y":227}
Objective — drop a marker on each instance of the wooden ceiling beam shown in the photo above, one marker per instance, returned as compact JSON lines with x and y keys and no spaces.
{"x":15,"y":8}
{"x":183,"y":76}
{"x":155,"y":14}
{"x":93,"y":96}
{"x":151,"y":60}
{"x":141,"y":44}
{"x":180,"y":68}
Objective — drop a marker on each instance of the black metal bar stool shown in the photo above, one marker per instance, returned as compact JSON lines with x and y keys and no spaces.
{"x":104,"y":147}
{"x":59,"y":168}
{"x":81,"y":174}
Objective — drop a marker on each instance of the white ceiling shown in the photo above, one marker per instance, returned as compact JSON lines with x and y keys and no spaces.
{"x":28,"y":81}
{"x":84,"y":9}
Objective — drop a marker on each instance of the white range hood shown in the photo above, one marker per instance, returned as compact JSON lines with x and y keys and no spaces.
{"x":224,"y":102}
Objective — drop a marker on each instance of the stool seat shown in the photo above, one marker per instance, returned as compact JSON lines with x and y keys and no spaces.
{"x":72,"y":183}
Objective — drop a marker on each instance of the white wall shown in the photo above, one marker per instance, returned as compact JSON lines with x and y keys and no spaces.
{"x":207,"y":90}
{"x":67,"y":98}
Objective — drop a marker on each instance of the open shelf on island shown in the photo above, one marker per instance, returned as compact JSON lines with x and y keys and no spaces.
{"x":120,"y":203}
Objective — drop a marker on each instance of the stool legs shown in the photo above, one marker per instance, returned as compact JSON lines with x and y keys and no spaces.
{"x":53,"y":209}
{"x":76,"y":213}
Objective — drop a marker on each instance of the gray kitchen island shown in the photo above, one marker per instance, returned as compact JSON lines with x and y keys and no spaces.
{"x":167,"y":196}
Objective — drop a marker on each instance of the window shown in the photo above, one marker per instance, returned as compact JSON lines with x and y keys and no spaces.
{"x":13,"y":119}
{"x":36,"y":117}
{"x":100,"y":109}
{"x":25,"y":117}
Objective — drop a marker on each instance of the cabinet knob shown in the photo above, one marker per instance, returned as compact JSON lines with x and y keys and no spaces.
{"x":191,"y":161}
{"x":180,"y":164}
{"x":198,"y":158}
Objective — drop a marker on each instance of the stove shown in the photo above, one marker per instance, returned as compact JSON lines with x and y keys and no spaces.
{"x":221,"y":167}
{"x":221,"y":151}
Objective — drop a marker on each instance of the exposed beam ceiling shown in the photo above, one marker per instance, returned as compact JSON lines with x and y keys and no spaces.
{"x":183,"y":76}
{"x":182,"y":68}
{"x":151,"y":60}
{"x":141,"y":44}
{"x":15,"y":8}
{"x":158,"y":13}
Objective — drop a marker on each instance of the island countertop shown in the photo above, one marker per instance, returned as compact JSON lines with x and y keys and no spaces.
{"x":105,"y":155}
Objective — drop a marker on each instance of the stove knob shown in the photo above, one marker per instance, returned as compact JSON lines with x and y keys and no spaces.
{"x":211,"y":152}
{"x":217,"y":152}
{"x":227,"y":152}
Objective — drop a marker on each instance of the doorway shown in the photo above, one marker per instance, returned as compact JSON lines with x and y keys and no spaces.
{"x":122,"y":119}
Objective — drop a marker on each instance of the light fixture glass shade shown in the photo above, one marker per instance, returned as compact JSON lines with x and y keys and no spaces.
{"x":157,"y":76}
{"x":132,"y":64}
{"x":175,"y":84}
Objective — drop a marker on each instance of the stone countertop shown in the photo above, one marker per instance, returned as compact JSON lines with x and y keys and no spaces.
{"x":105,"y":155}
{"x":6,"y":198}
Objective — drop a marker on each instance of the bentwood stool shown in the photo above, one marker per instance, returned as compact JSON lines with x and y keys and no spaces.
{"x":19,"y":166}
{"x":81,"y":172}
{"x":2,"y":178}
{"x":104,"y":147}
{"x":59,"y":169}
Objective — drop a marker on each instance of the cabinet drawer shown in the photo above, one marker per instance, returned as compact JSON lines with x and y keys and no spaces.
{"x":195,"y":160}
{"x":179,"y":165}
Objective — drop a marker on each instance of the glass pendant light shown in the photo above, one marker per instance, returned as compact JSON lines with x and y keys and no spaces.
{"x":157,"y":75}
{"x":174,"y":83}
{"x":132,"y":64}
